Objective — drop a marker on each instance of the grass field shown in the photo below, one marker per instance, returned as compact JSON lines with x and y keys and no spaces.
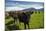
{"x":36,"y":21}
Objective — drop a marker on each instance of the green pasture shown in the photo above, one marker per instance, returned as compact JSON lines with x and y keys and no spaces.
{"x":36,"y":21}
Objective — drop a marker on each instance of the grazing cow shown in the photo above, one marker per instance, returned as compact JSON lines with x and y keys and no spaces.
{"x":24,"y":17}
{"x":13,"y":15}
{"x":39,"y":12}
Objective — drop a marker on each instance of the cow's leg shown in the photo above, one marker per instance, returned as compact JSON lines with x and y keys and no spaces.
{"x":14,"y":20}
{"x":24,"y":25}
{"x":28,"y":25}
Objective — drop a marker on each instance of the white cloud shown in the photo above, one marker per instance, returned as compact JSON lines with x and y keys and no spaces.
{"x":30,"y":0}
{"x":14,"y":8}
{"x":21,"y":7}
{"x":38,"y":7}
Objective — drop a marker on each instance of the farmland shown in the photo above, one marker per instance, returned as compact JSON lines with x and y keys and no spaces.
{"x":36,"y":21}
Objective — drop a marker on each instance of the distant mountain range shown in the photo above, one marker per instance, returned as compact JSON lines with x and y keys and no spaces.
{"x":33,"y":9}
{"x":30,"y":9}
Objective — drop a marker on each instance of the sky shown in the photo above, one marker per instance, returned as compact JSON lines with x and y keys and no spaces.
{"x":23,"y":4}
{"x":29,"y":0}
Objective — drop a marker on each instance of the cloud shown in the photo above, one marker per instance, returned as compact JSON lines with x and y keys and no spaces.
{"x":14,"y":8}
{"x":19,"y":6}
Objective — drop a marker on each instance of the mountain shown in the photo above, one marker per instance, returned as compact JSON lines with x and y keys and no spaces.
{"x":29,"y":9}
{"x":33,"y":9}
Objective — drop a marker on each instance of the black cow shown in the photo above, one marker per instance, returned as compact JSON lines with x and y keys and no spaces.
{"x":24,"y":17}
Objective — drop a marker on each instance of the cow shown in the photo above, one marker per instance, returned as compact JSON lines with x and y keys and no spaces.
{"x":24,"y":17}
{"x":13,"y":15}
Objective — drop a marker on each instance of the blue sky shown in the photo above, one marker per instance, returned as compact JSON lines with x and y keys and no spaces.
{"x":22,"y":4}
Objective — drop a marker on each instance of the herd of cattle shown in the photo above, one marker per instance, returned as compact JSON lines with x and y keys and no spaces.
{"x":22,"y":16}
